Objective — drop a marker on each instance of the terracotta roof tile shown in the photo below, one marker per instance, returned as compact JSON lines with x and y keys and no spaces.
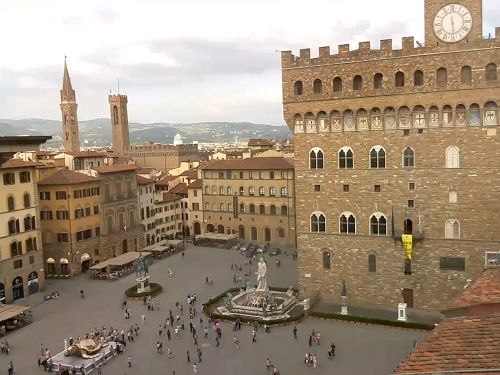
{"x":179,"y":188}
{"x":88,"y":154}
{"x":259,"y":142}
{"x":196,"y":184}
{"x":270,"y":163}
{"x":144,"y":181}
{"x":67,"y":177}
{"x":484,"y":290}
{"x":18,"y":163}
{"x":455,"y":345}
{"x":165,"y":180}
{"x":168,"y":197}
{"x":191,"y":173}
{"x":115,"y":168}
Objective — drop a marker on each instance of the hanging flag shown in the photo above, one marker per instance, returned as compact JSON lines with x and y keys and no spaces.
{"x":407,"y":240}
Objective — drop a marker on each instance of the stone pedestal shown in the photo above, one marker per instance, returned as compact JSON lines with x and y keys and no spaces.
{"x":343,"y":311}
{"x":402,"y":312}
{"x":143,"y":284}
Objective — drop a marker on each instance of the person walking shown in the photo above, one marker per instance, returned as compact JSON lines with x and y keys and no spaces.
{"x":199,"y":353}
{"x":129,"y":360}
{"x":188,"y":357}
{"x":169,"y":335}
{"x":205,"y":333}
{"x":254,"y":336}
{"x":310,"y":340}
{"x":195,"y":367}
{"x":295,"y":332}
{"x":82,"y":295}
{"x":169,"y":353}
{"x":10,"y":368}
{"x":236,"y":342}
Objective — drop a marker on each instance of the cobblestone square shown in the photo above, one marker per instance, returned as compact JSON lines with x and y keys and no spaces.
{"x":360,"y":349}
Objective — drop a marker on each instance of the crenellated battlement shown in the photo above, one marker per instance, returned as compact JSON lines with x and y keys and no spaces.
{"x":366,"y":52}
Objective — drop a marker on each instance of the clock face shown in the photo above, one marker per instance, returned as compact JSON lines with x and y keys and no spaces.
{"x":452,"y":23}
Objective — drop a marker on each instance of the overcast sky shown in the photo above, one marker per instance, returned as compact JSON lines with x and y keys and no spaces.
{"x":181,"y":60}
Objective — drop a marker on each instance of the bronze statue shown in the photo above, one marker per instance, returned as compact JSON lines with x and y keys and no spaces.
{"x":141,"y":266}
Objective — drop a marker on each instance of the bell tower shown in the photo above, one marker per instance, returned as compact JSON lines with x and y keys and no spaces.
{"x":119,"y":123}
{"x":453,"y":22}
{"x":71,"y":136}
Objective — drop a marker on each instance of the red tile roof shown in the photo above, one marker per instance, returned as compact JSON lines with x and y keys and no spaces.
{"x":115,"y":168}
{"x":265,"y":163}
{"x":89,"y":154}
{"x":67,"y":177}
{"x":144,"y":181}
{"x":179,"y":188}
{"x":18,"y":163}
{"x":196,"y":184}
{"x":191,"y":173}
{"x":168,"y":197}
{"x":165,"y":180}
{"x":484,"y":290}
{"x":259,"y":142}
{"x":457,"y":345}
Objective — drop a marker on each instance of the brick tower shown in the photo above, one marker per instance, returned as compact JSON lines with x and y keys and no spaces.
{"x":71,"y":137}
{"x":119,"y":122}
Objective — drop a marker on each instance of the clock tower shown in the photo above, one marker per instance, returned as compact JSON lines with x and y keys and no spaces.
{"x":452,"y":22}
{"x":71,"y":136}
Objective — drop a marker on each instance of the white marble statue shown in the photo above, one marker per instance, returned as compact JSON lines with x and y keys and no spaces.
{"x":261,"y":275}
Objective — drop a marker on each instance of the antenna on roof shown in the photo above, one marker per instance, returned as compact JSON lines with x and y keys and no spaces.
{"x":118,"y":86}
{"x":419,"y":44}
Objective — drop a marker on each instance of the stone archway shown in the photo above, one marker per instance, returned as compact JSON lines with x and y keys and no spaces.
{"x":196,"y":228}
{"x":17,"y":288}
{"x":124,"y":246}
{"x":220,"y":228}
{"x":33,"y":283}
{"x":210,"y":228}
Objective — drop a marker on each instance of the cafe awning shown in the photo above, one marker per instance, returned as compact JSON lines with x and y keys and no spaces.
{"x":11,"y":311}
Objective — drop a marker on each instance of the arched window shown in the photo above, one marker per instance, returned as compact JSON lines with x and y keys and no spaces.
{"x":27,"y":200}
{"x":452,"y":157}
{"x":222,"y":190}
{"x":29,"y":245}
{"x":281,"y":233}
{"x":452,"y":229}
{"x":316,"y":158}
{"x":317,"y":86}
{"x":399,"y":79}
{"x":252,"y":208}
{"x":442,"y":77}
{"x":207,"y":190}
{"x":377,"y":157}
{"x":272,"y":209}
{"x":327,"y":261}
{"x":284,"y":192}
{"x":475,"y":114}
{"x":27,"y":223}
{"x":229,"y":190}
{"x":418,"y":78}
{"x":12,"y":226}
{"x":262,"y":191}
{"x":372,"y":263}
{"x":490,"y":114}
{"x":337,"y":84}
{"x":272,"y":192}
{"x":10,"y":203}
{"x":262,"y":209}
{"x":284,"y":210}
{"x":408,"y":226}
{"x":207,"y":206}
{"x":346,"y":158}
{"x":15,"y":249}
{"x":491,"y":72}
{"x":466,"y":74}
{"x":318,"y":222}
{"x":347,"y":223}
{"x":222,"y":207}
{"x":251,"y":191}
{"x":242,"y":190}
{"x":378,"y":224}
{"x":214,"y":190}
{"x":253,"y":233}
{"x":408,"y":158}
{"x":378,"y":81}
{"x":357,"y":83}
{"x":242,"y":208}
{"x":298,"y":89}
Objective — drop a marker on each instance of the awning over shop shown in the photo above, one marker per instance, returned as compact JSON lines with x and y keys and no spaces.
{"x":99,"y":266}
{"x":63,"y":261}
{"x":51,"y":261}
{"x":84,"y":257}
{"x":11,"y":311}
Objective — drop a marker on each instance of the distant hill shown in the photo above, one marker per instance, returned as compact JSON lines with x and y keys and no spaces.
{"x":97,"y":132}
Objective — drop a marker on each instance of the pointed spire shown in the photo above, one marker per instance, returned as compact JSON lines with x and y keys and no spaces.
{"x":67,"y":92}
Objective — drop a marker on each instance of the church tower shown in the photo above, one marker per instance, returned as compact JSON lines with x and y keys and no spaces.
{"x":71,"y":136}
{"x":119,"y":123}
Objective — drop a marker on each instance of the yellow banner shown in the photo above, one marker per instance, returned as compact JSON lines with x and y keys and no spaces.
{"x":407,"y":240}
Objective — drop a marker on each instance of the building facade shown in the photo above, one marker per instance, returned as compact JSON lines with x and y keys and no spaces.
{"x":70,"y":222}
{"x":121,"y":225}
{"x":392,"y":142}
{"x":69,"y":107}
{"x":163,"y":157}
{"x":252,"y":198}
{"x":146,"y":190}
{"x":168,"y":220}
{"x":195,"y":202}
{"x":21,"y":258}
{"x":119,"y":123}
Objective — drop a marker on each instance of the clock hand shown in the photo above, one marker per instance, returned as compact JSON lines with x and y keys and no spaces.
{"x":452,"y":25}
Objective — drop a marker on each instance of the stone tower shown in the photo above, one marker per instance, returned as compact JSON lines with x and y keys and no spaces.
{"x":119,"y":123}
{"x":71,"y":136}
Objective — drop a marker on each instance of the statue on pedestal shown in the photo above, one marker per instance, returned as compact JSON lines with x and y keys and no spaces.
{"x":261,"y":275}
{"x":141,"y":267}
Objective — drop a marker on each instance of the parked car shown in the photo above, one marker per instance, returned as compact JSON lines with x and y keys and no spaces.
{"x":275,"y":251}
